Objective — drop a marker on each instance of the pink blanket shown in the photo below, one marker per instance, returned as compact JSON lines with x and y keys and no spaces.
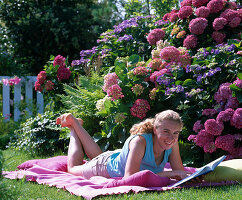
{"x":52,"y":171}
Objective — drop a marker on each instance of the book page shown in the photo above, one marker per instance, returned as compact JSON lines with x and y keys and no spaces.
{"x":200,"y":171}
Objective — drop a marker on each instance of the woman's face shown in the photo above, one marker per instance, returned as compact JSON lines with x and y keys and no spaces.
{"x":166,"y":133}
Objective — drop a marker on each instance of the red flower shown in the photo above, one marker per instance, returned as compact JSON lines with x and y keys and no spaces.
{"x":41,"y":77}
{"x":63,"y":73}
{"x":49,"y":85}
{"x":38,"y":87}
{"x":59,"y":60}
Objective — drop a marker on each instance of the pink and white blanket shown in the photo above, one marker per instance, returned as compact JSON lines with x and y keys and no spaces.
{"x":52,"y":171}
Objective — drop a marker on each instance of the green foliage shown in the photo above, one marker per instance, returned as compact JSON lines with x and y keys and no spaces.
{"x":147,"y":7}
{"x":6,"y":131}
{"x":40,"y":135}
{"x":37,"y":29}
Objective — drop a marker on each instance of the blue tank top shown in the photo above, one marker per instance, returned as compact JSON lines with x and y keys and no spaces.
{"x":117,"y":161}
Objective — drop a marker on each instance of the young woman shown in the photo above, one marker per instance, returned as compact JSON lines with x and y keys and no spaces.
{"x":152,"y":144}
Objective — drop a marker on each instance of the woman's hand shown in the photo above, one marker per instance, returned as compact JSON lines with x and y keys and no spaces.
{"x":175,"y":174}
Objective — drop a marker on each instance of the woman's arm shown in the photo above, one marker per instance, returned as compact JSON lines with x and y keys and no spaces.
{"x":175,"y":158}
{"x":136,"y":153}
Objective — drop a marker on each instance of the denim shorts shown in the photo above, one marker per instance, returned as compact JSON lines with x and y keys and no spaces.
{"x":97,"y":166}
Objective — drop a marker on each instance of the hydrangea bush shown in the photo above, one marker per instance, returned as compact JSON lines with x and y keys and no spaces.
{"x":200,"y":23}
{"x":170,"y":79}
{"x":50,"y":81}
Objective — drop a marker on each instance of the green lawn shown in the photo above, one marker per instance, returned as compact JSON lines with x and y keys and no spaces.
{"x":23,"y":190}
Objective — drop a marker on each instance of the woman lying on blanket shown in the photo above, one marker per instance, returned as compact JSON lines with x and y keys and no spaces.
{"x":152,"y":144}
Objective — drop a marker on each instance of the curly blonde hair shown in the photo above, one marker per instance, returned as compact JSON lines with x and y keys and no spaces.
{"x":148,"y":124}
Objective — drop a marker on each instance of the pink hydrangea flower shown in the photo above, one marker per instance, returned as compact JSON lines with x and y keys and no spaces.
{"x":209,"y":112}
{"x":218,"y":98}
{"x":155,"y":64}
{"x":170,"y":53}
{"x":185,"y":12}
{"x":63,"y":73}
{"x":186,"y":3}
{"x":230,"y":14}
{"x":215,"y":6}
{"x":142,"y":71}
{"x":109,"y":80}
{"x":59,"y":60}
{"x":236,"y":119}
{"x":173,"y":17}
{"x":209,"y":147}
{"x":219,"y":23}
{"x":238,"y":82}
{"x":198,"y":3}
{"x":49,"y":85}
{"x":190,"y":42}
{"x":225,"y":91}
{"x":225,"y":116}
{"x":203,"y":138}
{"x":202,"y":12}
{"x":197,"y":126}
{"x":192,"y":138}
{"x":137,"y":89}
{"x":235,"y":22}
{"x":41,"y":77}
{"x":155,"y":35}
{"x":225,"y":142}
{"x":166,"y":16}
{"x":115,"y":92}
{"x":38,"y":87}
{"x":184,"y":60}
{"x":140,"y":108}
{"x":232,"y":102}
{"x":198,"y":25}
{"x":232,"y":5}
{"x":218,"y":37}
{"x":213,"y":127}
{"x":14,"y":81}
{"x":155,"y":74}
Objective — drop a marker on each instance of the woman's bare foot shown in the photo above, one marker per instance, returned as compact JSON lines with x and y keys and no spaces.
{"x":67,"y":119}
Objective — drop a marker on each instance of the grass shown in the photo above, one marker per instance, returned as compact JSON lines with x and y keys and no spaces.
{"x":24,"y":190}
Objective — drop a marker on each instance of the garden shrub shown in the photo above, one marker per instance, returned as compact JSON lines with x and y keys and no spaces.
{"x":40,"y":135}
{"x":6,"y":131}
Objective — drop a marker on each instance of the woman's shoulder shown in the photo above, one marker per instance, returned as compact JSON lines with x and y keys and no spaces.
{"x":138,"y":140}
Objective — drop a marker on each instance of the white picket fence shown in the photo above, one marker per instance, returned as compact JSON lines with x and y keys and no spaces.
{"x":28,"y":83}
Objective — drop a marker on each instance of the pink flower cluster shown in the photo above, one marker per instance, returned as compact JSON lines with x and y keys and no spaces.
{"x":219,"y":23}
{"x":185,"y":12}
{"x":155,"y":64}
{"x":170,"y":53}
{"x":215,"y":6}
{"x":115,"y":91}
{"x":209,"y":112}
{"x":155,"y":35}
{"x":137,"y":89}
{"x":215,"y":133}
{"x":202,"y":12}
{"x":238,"y":82}
{"x":218,"y":37}
{"x":190,"y":42}
{"x":186,"y":3}
{"x":224,"y":97}
{"x":233,"y":17}
{"x":198,"y":3}
{"x":59,"y":60}
{"x":42,"y":82}
{"x":142,"y":71}
{"x":109,"y":80}
{"x":198,"y":25}
{"x":140,"y":108}
{"x":12,"y":81}
{"x":63,"y":73}
{"x":156,"y":74}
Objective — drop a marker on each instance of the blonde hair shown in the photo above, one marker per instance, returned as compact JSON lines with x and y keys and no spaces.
{"x":148,"y":124}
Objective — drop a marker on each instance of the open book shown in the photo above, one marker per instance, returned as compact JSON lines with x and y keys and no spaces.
{"x":203,"y":170}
